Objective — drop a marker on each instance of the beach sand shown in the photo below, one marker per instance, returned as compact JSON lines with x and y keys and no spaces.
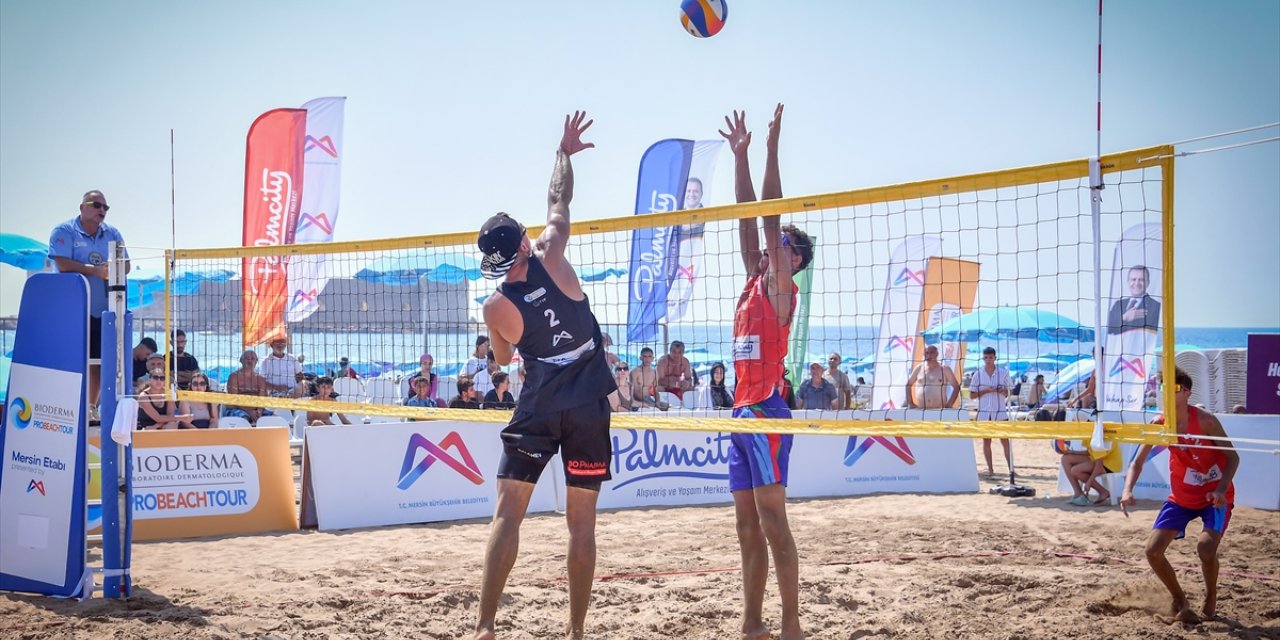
{"x":882,"y":566}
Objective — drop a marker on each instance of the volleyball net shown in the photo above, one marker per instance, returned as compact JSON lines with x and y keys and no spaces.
{"x":1004,"y":260}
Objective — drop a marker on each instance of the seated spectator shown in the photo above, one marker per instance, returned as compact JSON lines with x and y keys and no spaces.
{"x":154,"y":411}
{"x":1083,"y":469}
{"x":1087,"y":398}
{"x":620,"y":398}
{"x":304,"y":385}
{"x":817,"y":392}
{"x":246,"y":381}
{"x":204,"y":415}
{"x":324,"y":393}
{"x":427,"y":363}
{"x":721,"y":397}
{"x":153,"y":362}
{"x":644,"y":383}
{"x":467,"y":397}
{"x":145,"y":348}
{"x":280,"y":369}
{"x":483,"y":379}
{"x":675,"y":374}
{"x":1017,"y":387}
{"x":478,"y":357}
{"x":1035,"y":397}
{"x":499,"y":397}
{"x":609,"y":356}
{"x":421,"y":393}
{"x":345,"y":370}
{"x":861,"y":393}
{"x":185,"y":365}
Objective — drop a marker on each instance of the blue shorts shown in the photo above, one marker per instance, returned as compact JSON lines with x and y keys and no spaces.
{"x":1174,"y":517}
{"x":760,"y":459}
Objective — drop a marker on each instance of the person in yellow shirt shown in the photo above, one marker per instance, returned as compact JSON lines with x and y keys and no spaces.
{"x":1084,"y":467}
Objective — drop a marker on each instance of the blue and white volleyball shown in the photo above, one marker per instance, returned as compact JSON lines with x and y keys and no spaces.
{"x":703,"y":18}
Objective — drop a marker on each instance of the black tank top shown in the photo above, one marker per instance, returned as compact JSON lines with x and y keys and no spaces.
{"x":562,"y":347}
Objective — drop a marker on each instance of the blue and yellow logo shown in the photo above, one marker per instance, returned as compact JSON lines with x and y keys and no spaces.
{"x":20,"y":411}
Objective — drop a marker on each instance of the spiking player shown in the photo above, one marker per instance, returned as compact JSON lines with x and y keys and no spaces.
{"x":761,"y":327}
{"x":541,"y":309}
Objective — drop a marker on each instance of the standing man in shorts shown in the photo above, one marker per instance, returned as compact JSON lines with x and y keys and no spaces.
{"x":761,"y":328}
{"x":1200,"y":480}
{"x":80,"y":245}
{"x":540,"y":309}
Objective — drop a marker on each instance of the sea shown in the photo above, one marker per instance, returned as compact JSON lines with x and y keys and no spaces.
{"x":373,"y":354}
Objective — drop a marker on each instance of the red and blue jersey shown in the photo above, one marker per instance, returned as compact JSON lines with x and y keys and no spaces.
{"x":759,"y":343}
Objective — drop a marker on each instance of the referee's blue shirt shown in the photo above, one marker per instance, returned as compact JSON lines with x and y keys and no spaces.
{"x":70,"y":240}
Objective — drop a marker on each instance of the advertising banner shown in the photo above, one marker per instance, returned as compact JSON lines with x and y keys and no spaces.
{"x":653,"y":468}
{"x":950,"y":287}
{"x":855,"y":465}
{"x":899,"y":315}
{"x":1133,"y":318}
{"x":318,"y":217}
{"x":685,"y":279}
{"x":273,"y":168}
{"x":42,"y":484}
{"x":206,"y":482}
{"x":408,"y":473}
{"x":664,"y":172}
{"x":1262,"y":390}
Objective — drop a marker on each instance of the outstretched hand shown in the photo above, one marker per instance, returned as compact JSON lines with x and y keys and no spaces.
{"x":571,"y":142}
{"x":775,"y":128}
{"x":738,"y":136}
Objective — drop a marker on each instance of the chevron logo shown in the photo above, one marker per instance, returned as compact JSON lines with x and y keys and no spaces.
{"x":301,"y":298}
{"x":319,"y":220}
{"x":898,"y":447}
{"x":1133,"y":365}
{"x":466,"y":467}
{"x":898,"y":342}
{"x":908,"y":276}
{"x":324,"y":144}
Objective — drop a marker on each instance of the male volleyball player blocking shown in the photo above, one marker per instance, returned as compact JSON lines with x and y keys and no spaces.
{"x":1201,"y":482}
{"x":761,"y":327}
{"x":540,"y":309}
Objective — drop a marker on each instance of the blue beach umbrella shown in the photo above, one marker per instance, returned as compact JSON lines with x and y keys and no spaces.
{"x":1075,"y":373}
{"x":1009,"y":323}
{"x":406,"y":269}
{"x":23,"y":252}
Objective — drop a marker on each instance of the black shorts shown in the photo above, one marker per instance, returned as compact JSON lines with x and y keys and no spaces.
{"x":95,"y":338}
{"x":580,"y":434}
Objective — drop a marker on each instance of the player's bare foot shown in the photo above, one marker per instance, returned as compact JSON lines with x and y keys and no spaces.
{"x":759,"y":632}
{"x":793,"y":634}
{"x":486,"y":634}
{"x":575,"y":635}
{"x":1210,"y":609}
{"x":1186,"y":616}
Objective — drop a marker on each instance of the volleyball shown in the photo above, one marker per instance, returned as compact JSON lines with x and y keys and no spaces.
{"x":703,"y":18}
{"x":1061,"y":446}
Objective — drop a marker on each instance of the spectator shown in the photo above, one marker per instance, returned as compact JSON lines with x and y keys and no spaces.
{"x":861,"y":392}
{"x":1036,"y":396}
{"x":499,"y":397}
{"x":185,"y":365}
{"x":675,"y":374}
{"x":1083,"y":469}
{"x":644,"y":383}
{"x":466,"y":398}
{"x":204,"y":415}
{"x":421,"y":393}
{"x":786,"y":391}
{"x":721,"y":397}
{"x":817,"y":392}
{"x":990,"y":385}
{"x":427,"y":364}
{"x":324,"y":393}
{"x":280,"y":369}
{"x":154,"y":411}
{"x":483,"y":380}
{"x":841,"y":381}
{"x":82,"y":245}
{"x":609,"y":356}
{"x":145,"y":348}
{"x":1239,"y":409}
{"x":479,"y":357}
{"x":345,"y":370}
{"x":153,"y":362}
{"x":246,"y":381}
{"x":1087,"y":398}
{"x":934,"y":379}
{"x":620,"y":398}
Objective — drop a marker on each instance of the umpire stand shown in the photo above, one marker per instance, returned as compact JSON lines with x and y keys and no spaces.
{"x":116,"y":444}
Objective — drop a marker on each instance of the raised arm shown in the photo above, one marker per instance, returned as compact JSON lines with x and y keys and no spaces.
{"x":739,"y":140}
{"x":555,"y":236}
{"x":779,"y":280}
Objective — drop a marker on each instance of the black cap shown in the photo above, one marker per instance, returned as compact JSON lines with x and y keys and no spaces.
{"x":499,"y":241}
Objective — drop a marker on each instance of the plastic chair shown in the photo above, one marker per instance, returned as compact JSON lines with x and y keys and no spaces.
{"x":229,"y":422}
{"x":382,"y":391}
{"x":349,"y":390}
{"x":273,"y":421}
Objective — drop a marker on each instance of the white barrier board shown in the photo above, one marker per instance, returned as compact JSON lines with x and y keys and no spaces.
{"x":401,"y":473}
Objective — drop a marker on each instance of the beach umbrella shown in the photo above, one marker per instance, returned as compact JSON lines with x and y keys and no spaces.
{"x":1019,"y":366}
{"x":142,"y":290}
{"x":406,"y":269}
{"x":23,"y":252}
{"x":1009,"y":323}
{"x":1075,"y":373}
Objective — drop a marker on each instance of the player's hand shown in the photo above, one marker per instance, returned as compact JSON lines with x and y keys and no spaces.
{"x":1218,"y":497}
{"x":1127,"y":500}
{"x":571,"y":142}
{"x":738,"y":136}
{"x":775,"y":129}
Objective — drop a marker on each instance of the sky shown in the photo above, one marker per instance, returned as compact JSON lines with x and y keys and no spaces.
{"x":454,"y":110}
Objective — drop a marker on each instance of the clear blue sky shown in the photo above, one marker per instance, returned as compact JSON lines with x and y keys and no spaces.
{"x":454,"y":109}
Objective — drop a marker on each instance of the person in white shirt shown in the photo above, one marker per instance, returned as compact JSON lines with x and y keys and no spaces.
{"x":279,"y":368}
{"x":483,"y":379}
{"x":990,"y":385}
{"x":477,"y":362}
